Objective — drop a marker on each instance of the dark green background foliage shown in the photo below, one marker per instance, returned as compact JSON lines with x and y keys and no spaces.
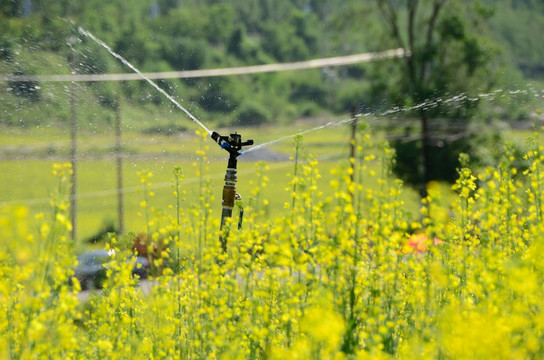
{"x":469,"y":47}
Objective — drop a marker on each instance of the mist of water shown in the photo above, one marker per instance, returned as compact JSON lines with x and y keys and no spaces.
{"x":124,"y":61}
{"x":425,"y":105}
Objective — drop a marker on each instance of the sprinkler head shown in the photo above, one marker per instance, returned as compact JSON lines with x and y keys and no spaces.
{"x":232,"y":143}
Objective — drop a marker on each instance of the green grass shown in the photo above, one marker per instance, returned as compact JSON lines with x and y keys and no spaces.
{"x":30,"y":182}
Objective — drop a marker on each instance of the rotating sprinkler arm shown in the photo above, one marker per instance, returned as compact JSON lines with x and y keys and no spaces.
{"x":233,"y":144}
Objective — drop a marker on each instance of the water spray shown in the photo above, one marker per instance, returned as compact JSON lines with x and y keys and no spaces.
{"x":233,"y":144}
{"x":125,"y":61}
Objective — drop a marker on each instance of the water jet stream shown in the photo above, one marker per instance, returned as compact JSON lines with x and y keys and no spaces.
{"x":425,"y":105}
{"x":124,"y":61}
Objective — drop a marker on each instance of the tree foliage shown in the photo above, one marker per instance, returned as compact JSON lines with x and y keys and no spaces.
{"x":448,"y":53}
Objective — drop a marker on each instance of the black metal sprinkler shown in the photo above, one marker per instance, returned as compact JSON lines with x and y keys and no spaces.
{"x":233,"y":144}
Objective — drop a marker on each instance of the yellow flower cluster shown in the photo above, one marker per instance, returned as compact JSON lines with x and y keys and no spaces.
{"x":345,"y":273}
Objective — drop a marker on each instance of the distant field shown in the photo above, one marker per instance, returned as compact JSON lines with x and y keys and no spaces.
{"x":29,"y":182}
{"x":28,"y":156}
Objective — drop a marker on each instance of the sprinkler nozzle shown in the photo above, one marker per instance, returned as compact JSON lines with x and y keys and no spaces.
{"x":232,"y":143}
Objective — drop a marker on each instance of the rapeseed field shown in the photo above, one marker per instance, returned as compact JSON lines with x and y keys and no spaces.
{"x":344,"y":273}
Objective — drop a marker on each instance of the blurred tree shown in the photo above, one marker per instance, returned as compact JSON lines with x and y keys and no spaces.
{"x":294,"y":40}
{"x":445,"y":54}
{"x":220,"y":23}
{"x":194,"y":34}
{"x":27,"y":89}
{"x":11,"y":8}
{"x":234,"y":44}
{"x":516,"y":26}
{"x":218,"y":95}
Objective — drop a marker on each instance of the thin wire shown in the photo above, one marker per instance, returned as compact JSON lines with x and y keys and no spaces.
{"x":242,"y":70}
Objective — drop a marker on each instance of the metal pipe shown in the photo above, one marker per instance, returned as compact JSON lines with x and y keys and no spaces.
{"x":227,"y":201}
{"x":233,"y":144}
